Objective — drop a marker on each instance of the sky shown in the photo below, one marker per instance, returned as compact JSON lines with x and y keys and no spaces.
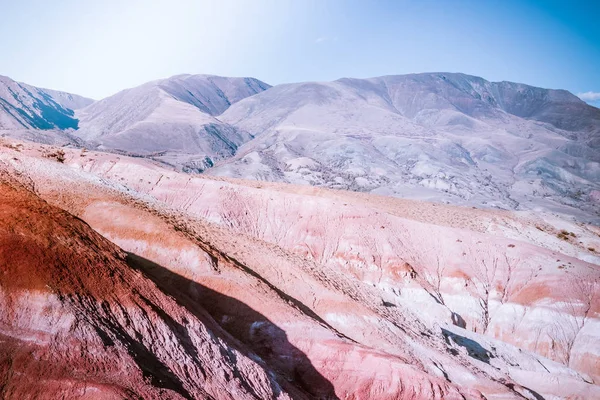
{"x":97,"y":48}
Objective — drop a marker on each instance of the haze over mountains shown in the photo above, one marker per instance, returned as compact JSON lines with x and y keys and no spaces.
{"x":446,"y":137}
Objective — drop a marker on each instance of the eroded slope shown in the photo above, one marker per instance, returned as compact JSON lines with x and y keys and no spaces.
{"x":349,"y":279}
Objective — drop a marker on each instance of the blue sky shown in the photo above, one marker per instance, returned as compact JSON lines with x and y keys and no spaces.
{"x":96,"y":48}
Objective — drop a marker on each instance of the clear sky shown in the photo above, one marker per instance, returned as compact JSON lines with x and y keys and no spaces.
{"x":98,"y":47}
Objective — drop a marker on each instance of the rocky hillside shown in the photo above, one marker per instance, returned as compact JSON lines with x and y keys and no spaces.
{"x":83,"y":319}
{"x":269,"y":290}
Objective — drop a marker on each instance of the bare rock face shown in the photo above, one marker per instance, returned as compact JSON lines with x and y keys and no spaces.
{"x":247,"y":289}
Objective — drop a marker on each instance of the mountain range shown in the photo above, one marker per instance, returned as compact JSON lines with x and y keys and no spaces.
{"x":445,"y":137}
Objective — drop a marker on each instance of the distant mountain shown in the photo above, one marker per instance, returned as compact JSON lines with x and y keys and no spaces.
{"x":174,"y":116}
{"x":450,"y":137}
{"x":27,"y":107}
{"x":446,"y":137}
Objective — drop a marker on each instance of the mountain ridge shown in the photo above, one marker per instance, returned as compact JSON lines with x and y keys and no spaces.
{"x":448,"y":137}
{"x":176,"y":114}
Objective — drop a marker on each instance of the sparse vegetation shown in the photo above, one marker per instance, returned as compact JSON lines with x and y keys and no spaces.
{"x":58,"y":155}
{"x":562,"y":236}
{"x":571,"y":317}
{"x":565,"y":235}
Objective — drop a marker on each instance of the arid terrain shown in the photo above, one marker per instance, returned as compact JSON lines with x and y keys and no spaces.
{"x":299,"y":200}
{"x":123,"y":278}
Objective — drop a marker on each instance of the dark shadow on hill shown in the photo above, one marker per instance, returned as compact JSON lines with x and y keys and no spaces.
{"x":251,"y":331}
{"x":479,"y":352}
{"x":473,"y":348}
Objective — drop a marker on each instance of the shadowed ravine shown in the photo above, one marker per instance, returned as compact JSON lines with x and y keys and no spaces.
{"x":252,"y":329}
